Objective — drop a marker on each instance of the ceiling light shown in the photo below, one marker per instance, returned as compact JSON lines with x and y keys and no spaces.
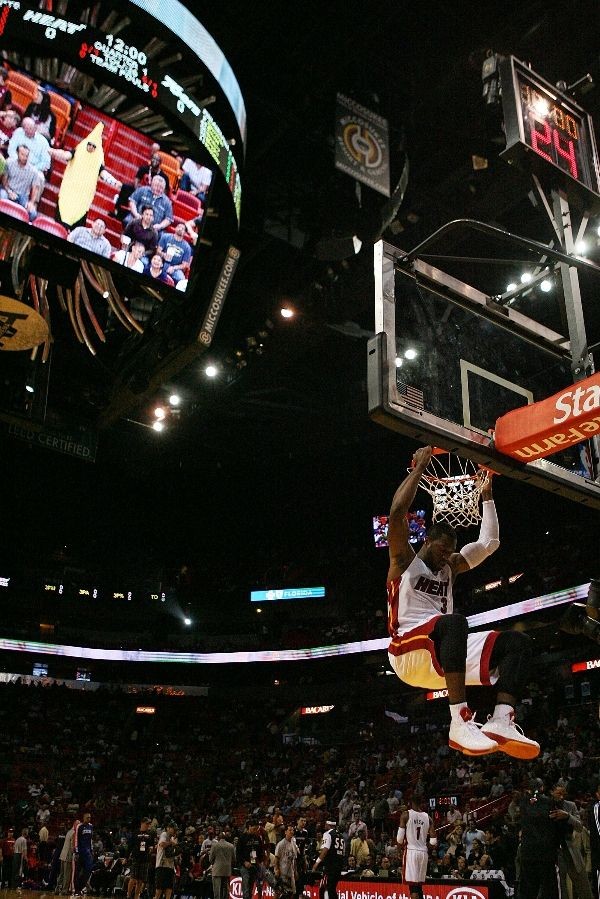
{"x":581,"y":247}
{"x":187,"y":621}
{"x":211,"y":371}
{"x":29,"y":388}
{"x":160,"y":413}
{"x":410,"y":354}
{"x":174,"y":399}
{"x":545,"y":286}
{"x":510,"y":287}
{"x":525,"y":278}
{"x":286,"y":312}
{"x":158,"y":426}
{"x":398,"y":361}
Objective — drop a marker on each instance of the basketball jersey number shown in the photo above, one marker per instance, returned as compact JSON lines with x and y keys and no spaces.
{"x":444,"y":607}
{"x":339,"y":845}
{"x":418,"y":833}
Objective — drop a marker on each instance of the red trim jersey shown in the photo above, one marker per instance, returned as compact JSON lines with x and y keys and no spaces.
{"x":418,"y":595}
{"x":417,"y":830}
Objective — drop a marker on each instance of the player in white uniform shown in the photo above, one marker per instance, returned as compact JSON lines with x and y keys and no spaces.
{"x":430,"y":644}
{"x":416,"y":827}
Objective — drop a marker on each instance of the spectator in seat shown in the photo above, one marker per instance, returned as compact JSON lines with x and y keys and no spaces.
{"x":9,"y":122}
{"x":155,"y":197}
{"x":196,"y":179}
{"x":91,"y":239}
{"x":155,"y":270}
{"x":5,"y":94}
{"x":21,"y":182}
{"x":142,"y":230}
{"x":131,"y":256}
{"x":85,"y":167}
{"x":151,"y":169}
{"x":176,"y":252}
{"x":39,"y":149}
{"x":45,"y":120}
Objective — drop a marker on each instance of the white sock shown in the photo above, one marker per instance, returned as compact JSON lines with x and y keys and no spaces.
{"x":503,"y":711}
{"x":455,"y":710}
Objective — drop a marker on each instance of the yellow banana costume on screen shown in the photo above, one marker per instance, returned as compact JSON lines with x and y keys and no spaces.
{"x":80,"y":179}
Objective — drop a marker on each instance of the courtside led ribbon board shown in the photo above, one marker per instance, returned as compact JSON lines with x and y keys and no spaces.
{"x":551,"y":425}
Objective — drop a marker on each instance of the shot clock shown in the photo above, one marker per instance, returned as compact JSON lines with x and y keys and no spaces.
{"x":438,"y":808}
{"x":551,"y":131}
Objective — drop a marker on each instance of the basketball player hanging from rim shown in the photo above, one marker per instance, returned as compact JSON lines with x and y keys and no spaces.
{"x":430,"y":644}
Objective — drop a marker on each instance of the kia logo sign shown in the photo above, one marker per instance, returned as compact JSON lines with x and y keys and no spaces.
{"x":235,"y":888}
{"x":464,"y":893}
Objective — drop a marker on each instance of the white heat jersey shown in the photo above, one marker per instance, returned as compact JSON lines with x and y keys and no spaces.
{"x":417,"y":830}
{"x":417,"y":596}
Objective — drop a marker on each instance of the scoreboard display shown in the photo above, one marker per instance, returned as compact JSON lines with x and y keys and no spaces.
{"x":551,"y":130}
{"x":124,"y":64}
{"x":439,"y":806}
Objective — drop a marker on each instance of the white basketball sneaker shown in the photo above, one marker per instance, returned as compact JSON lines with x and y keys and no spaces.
{"x":509,"y":737}
{"x":466,"y":736}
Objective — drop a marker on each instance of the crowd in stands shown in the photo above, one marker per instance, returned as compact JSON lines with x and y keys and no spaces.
{"x":210,"y":764}
{"x":152,"y":223}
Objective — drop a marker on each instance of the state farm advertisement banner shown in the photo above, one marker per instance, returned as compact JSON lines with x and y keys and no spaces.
{"x":375,"y":890}
{"x":540,"y":429}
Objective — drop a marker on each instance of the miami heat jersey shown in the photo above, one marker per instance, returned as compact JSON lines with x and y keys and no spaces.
{"x":417,"y":830}
{"x":417,"y":596}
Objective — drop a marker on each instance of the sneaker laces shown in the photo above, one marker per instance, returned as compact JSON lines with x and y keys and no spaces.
{"x":511,"y":723}
{"x":469,"y":719}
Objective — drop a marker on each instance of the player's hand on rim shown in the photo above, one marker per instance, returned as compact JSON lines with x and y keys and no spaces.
{"x":486,"y":493}
{"x":421,"y":458}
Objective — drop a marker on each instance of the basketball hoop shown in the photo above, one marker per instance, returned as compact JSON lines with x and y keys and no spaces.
{"x":455,"y":486}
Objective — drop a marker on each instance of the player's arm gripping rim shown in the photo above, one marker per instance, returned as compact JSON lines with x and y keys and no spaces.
{"x":400,"y":550}
{"x":473,"y":554}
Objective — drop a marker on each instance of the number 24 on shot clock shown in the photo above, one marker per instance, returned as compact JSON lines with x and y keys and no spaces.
{"x":540,"y":120}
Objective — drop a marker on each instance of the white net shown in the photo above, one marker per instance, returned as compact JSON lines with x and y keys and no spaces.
{"x":455,"y":486}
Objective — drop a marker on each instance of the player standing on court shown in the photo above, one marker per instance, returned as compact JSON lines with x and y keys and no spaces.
{"x":416,"y":827}
{"x":332,"y":857}
{"x":82,"y":850}
{"x":431,"y":646}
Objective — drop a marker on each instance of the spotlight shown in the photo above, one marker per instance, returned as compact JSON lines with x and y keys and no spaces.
{"x":581,"y":247}
{"x":525,"y":278}
{"x":286,"y":312}
{"x":398,"y":361}
{"x":29,"y":388}
{"x":187,"y":621}
{"x":158,"y":426}
{"x":510,"y":287}
{"x":541,"y":106}
{"x":174,"y":399}
{"x":410,"y":354}
{"x":160,"y":413}
{"x":546,"y":286}
{"x":211,"y":371}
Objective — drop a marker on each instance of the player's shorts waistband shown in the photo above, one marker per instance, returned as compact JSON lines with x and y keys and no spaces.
{"x":416,"y":638}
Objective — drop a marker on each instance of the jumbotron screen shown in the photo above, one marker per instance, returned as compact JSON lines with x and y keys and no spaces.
{"x":108,"y":190}
{"x":417,"y":530}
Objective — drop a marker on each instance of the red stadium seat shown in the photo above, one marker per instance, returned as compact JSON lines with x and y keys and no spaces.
{"x":47,"y":224}
{"x":185,"y":198}
{"x":15,"y":210}
{"x":23,"y":89}
{"x":170,"y":167}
